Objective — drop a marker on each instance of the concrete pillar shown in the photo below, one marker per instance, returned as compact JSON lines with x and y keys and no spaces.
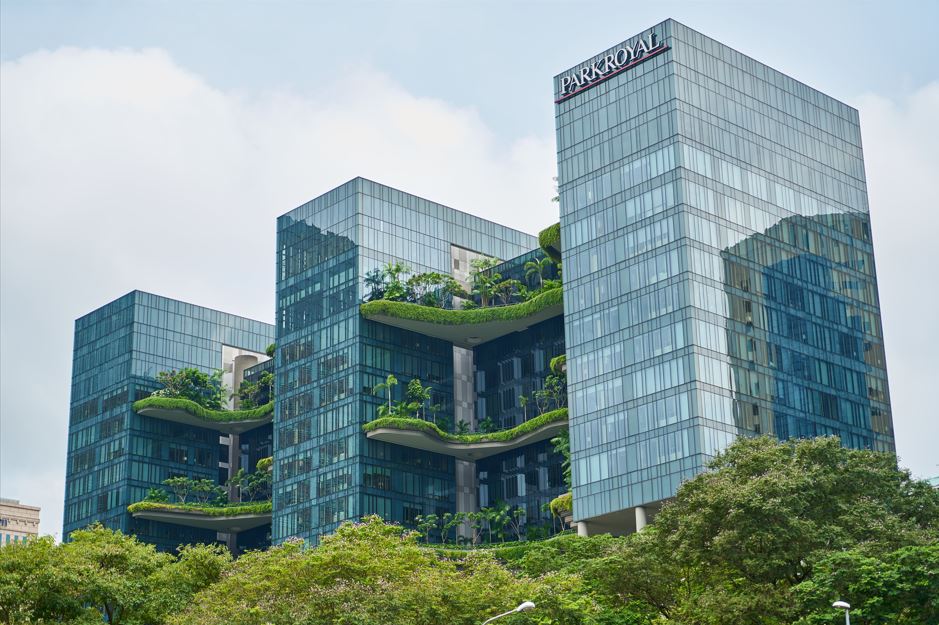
{"x":234,"y":463}
{"x":241,"y":363}
{"x":464,"y":409}
{"x":582,"y":528}
{"x":640,"y":518}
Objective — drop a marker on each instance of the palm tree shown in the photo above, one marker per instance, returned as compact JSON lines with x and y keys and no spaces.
{"x":395,"y":288}
{"x":385,"y":387}
{"x":538,"y":268}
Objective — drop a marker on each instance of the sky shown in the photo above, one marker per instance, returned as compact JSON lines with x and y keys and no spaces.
{"x":151,"y":145}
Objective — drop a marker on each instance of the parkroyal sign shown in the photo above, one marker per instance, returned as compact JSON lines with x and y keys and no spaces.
{"x":625,"y":57}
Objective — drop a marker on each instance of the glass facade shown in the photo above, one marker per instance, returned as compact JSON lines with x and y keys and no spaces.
{"x":115,"y":455}
{"x":329,"y":359}
{"x":719,"y":274}
{"x":719,"y":281}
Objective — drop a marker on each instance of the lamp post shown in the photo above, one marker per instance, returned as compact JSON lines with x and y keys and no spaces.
{"x":843,"y":605}
{"x":522,"y":607}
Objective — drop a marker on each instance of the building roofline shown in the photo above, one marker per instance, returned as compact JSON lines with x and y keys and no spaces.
{"x":381,"y":184}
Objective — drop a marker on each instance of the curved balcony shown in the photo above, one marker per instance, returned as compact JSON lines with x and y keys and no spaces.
{"x":191,"y":413}
{"x":229,"y":519}
{"x":419,"y":434}
{"x":466,"y":328}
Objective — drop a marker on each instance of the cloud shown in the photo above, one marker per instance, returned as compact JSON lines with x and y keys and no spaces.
{"x":120,"y":169}
{"x":901,"y":153}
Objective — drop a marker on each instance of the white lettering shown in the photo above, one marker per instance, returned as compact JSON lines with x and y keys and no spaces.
{"x":627,"y":55}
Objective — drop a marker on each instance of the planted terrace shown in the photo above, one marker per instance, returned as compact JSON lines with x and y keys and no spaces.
{"x":188,"y":412}
{"x":232,"y":518}
{"x":420,"y":434}
{"x":468,"y":327}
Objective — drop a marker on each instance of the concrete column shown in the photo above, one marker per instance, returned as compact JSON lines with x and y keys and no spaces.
{"x":640,"y":518}
{"x":234,"y":462}
{"x":241,"y":363}
{"x":582,"y":528}
{"x":464,"y":408}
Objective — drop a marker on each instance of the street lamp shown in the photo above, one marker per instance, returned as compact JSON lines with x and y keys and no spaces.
{"x":522,"y":607}
{"x":843,"y":605}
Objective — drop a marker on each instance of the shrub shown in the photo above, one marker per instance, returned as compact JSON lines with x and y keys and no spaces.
{"x":415,"y":312}
{"x":500,"y":436}
{"x":218,"y":416}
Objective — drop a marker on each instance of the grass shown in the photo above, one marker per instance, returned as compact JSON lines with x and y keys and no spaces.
{"x":399,"y":423}
{"x":254,"y":507}
{"x":191,"y":407}
{"x":442,"y":316}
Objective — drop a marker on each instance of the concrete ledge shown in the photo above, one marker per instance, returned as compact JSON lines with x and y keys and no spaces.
{"x":189,"y":518}
{"x":418,"y":439}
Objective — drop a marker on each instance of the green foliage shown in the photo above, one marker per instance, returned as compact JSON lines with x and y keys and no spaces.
{"x":537,"y":269}
{"x":271,"y":350}
{"x":253,"y":394}
{"x":253,"y":486}
{"x":99,"y":576}
{"x":558,"y":363}
{"x":562,"y":505}
{"x":900,"y":586}
{"x":194,"y":409}
{"x":550,"y":241}
{"x":157,"y":494}
{"x":483,"y":280}
{"x":371,"y":573}
{"x":554,"y":394}
{"x":426,"y":289}
{"x":502,"y":435}
{"x":415,"y":312}
{"x":770,"y":535}
{"x":190,"y":383}
{"x":255,"y":507}
{"x":265,"y":464}
{"x":562,"y":445}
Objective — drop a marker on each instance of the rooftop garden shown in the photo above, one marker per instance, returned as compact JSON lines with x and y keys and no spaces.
{"x":467,"y":316}
{"x":183,"y":494}
{"x":488,"y":286}
{"x":256,"y":507}
{"x":410,"y":423}
{"x":194,"y":409}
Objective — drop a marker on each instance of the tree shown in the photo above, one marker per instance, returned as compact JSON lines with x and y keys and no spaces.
{"x":523,"y":402}
{"x":562,"y":445}
{"x":505,"y":289}
{"x":181,"y":487}
{"x":395,"y":288}
{"x":516,"y":520}
{"x":386,"y":387}
{"x":483,"y":280}
{"x":426,"y":524}
{"x":157,"y":494}
{"x":462,"y":427}
{"x":375,"y":285}
{"x":900,"y":586}
{"x":418,"y":394}
{"x":194,"y":385}
{"x":487,"y":425}
{"x":538,"y":268}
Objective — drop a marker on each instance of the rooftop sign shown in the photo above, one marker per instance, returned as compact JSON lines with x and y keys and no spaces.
{"x":623,"y":58}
